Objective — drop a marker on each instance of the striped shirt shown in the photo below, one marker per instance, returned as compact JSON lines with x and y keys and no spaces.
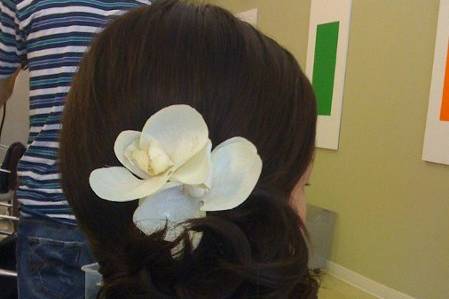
{"x":49,"y":37}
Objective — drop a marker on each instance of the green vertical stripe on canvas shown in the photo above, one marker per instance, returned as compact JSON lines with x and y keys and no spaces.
{"x":324,"y":65}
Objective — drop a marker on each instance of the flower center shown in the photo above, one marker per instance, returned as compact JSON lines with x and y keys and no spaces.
{"x":153,"y":161}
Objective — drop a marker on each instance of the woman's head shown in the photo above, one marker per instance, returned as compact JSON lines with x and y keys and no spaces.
{"x":244,"y":84}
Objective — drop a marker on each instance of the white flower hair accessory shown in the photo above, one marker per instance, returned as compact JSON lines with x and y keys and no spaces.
{"x":170,"y":168}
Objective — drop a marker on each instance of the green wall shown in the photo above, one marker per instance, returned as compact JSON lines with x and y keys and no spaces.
{"x":393,"y":208}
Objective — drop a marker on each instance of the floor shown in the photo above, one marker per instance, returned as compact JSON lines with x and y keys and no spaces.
{"x":332,"y":288}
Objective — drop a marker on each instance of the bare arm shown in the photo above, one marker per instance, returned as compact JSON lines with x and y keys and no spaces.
{"x":6,"y":87}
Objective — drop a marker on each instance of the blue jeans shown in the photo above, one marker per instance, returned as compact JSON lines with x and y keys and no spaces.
{"x":49,"y":258}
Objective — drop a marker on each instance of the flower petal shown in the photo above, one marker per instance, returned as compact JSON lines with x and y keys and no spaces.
{"x":180,"y":130}
{"x":237,"y":139}
{"x":196,"y":170}
{"x":123,"y":140}
{"x":118,"y":184}
{"x":236,"y":168}
{"x":169,"y":207}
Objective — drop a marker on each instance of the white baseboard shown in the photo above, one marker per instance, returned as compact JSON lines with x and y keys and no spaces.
{"x":363,"y":283}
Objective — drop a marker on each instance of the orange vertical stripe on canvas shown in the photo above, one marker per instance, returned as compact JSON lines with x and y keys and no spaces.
{"x":444,"y":116}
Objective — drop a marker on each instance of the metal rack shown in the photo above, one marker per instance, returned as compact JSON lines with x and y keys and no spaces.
{"x":10,"y":216}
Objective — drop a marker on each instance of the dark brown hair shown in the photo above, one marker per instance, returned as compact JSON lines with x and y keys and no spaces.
{"x":244,"y":84}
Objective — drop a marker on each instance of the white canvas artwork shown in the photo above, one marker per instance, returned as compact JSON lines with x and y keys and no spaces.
{"x":436,"y":139}
{"x":326,"y":65}
{"x":250,"y":16}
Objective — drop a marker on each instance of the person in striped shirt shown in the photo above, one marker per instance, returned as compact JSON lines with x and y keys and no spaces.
{"x":49,"y":38}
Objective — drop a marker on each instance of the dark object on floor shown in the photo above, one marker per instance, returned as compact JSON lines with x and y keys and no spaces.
{"x":8,"y":285}
{"x":320,"y":224}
